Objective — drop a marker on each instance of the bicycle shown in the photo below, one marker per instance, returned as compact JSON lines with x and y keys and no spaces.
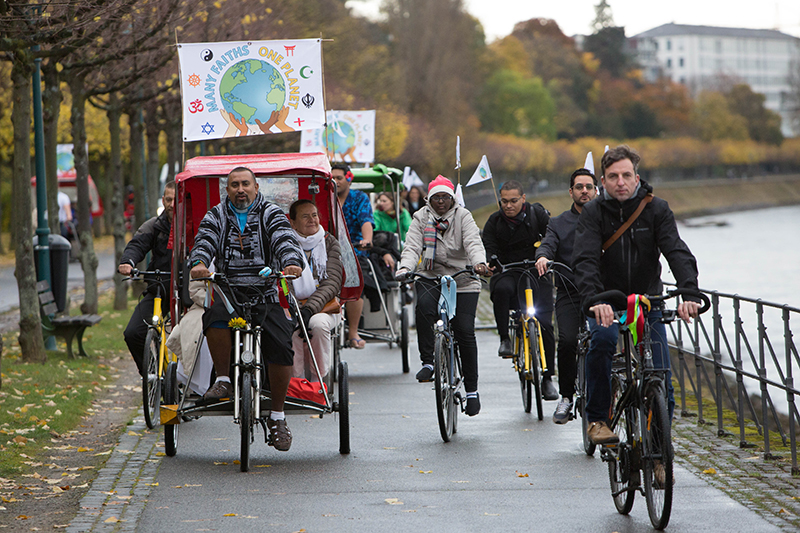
{"x":525,"y":333}
{"x":448,"y":379}
{"x":639,"y":413}
{"x":584,"y":336}
{"x":159,"y":365}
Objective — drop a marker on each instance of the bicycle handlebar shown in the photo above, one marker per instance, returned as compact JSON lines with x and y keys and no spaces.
{"x":619,"y":300}
{"x":137,"y":274}
{"x":437,"y":277}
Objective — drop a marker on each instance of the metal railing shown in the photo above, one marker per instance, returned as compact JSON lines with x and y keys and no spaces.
{"x":736,"y":355}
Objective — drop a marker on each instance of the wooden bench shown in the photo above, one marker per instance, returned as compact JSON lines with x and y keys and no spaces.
{"x":66,"y":327}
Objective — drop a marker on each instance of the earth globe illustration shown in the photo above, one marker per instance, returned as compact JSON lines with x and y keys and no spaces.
{"x":341,"y":137}
{"x":252,"y":89}
{"x":65,"y":161}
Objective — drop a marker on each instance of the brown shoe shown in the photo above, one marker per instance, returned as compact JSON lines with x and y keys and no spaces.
{"x":218,"y":391}
{"x":600,"y":433}
{"x":279,"y":435}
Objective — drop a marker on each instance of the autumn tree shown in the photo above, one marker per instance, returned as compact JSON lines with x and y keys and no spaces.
{"x":763,"y":125}
{"x":713,"y":118}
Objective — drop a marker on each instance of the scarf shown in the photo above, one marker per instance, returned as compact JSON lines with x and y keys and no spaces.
{"x":305,"y":285}
{"x":429,"y":240}
{"x":515,"y":221}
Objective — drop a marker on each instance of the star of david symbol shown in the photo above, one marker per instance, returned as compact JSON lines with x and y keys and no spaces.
{"x":207,"y":128}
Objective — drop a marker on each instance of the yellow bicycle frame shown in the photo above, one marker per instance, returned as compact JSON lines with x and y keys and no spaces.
{"x":526,"y":338}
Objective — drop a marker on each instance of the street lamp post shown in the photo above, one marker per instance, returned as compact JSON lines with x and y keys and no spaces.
{"x":42,"y":229}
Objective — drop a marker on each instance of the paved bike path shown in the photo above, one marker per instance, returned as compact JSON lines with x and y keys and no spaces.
{"x":504,"y":470}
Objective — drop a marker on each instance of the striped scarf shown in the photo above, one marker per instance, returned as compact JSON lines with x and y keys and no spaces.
{"x":429,"y":240}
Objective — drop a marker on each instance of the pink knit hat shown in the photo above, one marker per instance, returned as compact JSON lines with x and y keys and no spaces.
{"x":441,"y":184}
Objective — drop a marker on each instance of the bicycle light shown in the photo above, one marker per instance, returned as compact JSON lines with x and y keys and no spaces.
{"x":531,"y":311}
{"x":439,"y":326}
{"x":248,"y":357}
{"x":155,"y":320}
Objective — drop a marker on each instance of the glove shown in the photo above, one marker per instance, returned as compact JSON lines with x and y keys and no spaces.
{"x":401,"y":274}
{"x":306,"y":314}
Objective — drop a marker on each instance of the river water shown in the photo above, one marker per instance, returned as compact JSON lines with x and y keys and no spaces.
{"x":754,"y":254}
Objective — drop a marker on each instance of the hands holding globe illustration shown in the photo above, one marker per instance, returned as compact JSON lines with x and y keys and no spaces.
{"x":276,"y":118}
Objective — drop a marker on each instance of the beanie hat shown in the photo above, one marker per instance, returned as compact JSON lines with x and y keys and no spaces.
{"x":441,"y":184}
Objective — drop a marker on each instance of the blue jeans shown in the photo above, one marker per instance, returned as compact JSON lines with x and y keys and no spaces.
{"x":602,"y":347}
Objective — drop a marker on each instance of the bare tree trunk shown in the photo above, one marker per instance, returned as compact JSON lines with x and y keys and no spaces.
{"x":153,"y":170}
{"x":88,"y":258}
{"x":173,"y":132}
{"x":51,"y":106}
{"x":30,"y":322}
{"x":116,"y":185}
{"x":136,"y":141}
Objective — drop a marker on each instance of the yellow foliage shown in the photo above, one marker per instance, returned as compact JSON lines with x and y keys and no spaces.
{"x":509,"y":53}
{"x":391,"y":135}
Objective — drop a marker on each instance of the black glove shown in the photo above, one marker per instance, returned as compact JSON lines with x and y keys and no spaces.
{"x":306,"y":314}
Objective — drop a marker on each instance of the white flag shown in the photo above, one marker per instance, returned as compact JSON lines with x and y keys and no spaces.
{"x":350,"y":136}
{"x":458,"y":152}
{"x":482,"y":173}
{"x":460,"y":196}
{"x":589,"y":164}
{"x":410,"y":178}
{"x":233,"y":89}
{"x":606,"y":150}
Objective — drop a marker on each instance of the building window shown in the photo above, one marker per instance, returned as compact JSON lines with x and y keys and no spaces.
{"x":669,"y":44}
{"x":680,"y":62}
{"x":669,"y":62}
{"x":682,"y":81}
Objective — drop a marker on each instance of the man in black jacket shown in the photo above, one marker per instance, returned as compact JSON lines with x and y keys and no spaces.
{"x":630,"y":264}
{"x":512,"y":234}
{"x":152,"y":236}
{"x":557,"y":246}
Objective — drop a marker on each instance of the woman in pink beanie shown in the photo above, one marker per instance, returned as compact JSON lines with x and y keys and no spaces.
{"x":443,"y":239}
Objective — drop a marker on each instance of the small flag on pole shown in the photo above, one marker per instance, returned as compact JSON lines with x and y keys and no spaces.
{"x":410,"y":178}
{"x":460,"y":196}
{"x":458,"y":152}
{"x":482,"y":173}
{"x":589,"y":164}
{"x":606,"y":150}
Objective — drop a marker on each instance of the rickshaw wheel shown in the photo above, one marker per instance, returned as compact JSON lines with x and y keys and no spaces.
{"x":404,"y":339}
{"x":344,"y":410}
{"x":171,"y":397}
{"x":246,"y":420}
{"x":151,"y":381}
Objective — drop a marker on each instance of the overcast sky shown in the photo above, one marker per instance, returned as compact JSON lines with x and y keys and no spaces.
{"x":575,"y":16}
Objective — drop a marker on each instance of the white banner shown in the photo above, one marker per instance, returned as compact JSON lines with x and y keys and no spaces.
{"x":482,"y":173}
{"x":234,"y":89}
{"x":350,"y":137}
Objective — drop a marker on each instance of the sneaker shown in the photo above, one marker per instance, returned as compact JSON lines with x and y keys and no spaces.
{"x":280,"y":437}
{"x":218,"y":391}
{"x":600,"y":433}
{"x":506,"y":350}
{"x":660,"y":475}
{"x":549,"y":391}
{"x":563,"y":412}
{"x":473,"y":406}
{"x":425,"y":374}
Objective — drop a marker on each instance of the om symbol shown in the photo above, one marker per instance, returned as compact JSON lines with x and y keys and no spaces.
{"x":196,"y":106}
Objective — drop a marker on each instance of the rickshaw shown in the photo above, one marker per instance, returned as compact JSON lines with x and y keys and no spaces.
{"x":282,"y":179}
{"x":390,"y":324}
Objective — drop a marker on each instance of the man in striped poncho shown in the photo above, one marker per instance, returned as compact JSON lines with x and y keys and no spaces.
{"x":243,"y":234}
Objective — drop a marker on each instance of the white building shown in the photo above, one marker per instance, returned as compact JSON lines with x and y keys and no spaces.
{"x":705,"y":57}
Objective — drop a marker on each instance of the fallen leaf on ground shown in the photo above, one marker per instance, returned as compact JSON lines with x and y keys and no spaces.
{"x":111,"y":520}
{"x":237,"y":462}
{"x":229,"y":514}
{"x":393,"y":501}
{"x":263,"y":466}
{"x":709,"y":471}
{"x":82,"y":449}
{"x":520,"y":474}
{"x":426,"y":471}
{"x":22,"y":517}
{"x":161,"y":454}
{"x":220,"y":463}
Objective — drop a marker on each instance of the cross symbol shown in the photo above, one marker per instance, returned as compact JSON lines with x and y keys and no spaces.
{"x":241,"y":245}
{"x":299,"y":122}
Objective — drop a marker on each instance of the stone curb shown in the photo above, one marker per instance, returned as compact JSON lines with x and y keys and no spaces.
{"x":766,"y":487}
{"x":119,"y":494}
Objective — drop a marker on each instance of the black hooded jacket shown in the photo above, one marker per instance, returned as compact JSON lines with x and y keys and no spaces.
{"x":631,"y":264}
{"x":152,"y":236}
{"x":515,"y":243}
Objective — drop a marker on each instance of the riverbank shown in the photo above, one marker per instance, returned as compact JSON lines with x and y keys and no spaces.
{"x":695,"y":198}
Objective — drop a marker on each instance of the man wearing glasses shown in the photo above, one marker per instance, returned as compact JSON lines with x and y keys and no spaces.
{"x":513,"y":234}
{"x":557,"y":246}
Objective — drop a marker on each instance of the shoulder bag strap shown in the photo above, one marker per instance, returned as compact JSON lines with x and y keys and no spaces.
{"x":617,"y":234}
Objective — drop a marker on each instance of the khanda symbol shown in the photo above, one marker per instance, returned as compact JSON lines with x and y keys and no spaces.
{"x":308,"y":101}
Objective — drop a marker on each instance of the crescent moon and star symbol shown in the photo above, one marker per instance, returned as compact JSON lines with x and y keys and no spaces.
{"x":302,"y":72}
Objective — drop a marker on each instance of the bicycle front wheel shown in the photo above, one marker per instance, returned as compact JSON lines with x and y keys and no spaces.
{"x":525,"y":383}
{"x":620,"y":468}
{"x":658,"y":456}
{"x":246,"y":420}
{"x":580,"y":402}
{"x":171,"y":397}
{"x":536,"y":369}
{"x":445,"y":402}
{"x":151,"y":381}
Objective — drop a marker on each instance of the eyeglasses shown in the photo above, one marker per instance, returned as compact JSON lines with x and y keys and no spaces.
{"x":581,"y":186}
{"x":440,"y":198}
{"x":506,"y":201}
